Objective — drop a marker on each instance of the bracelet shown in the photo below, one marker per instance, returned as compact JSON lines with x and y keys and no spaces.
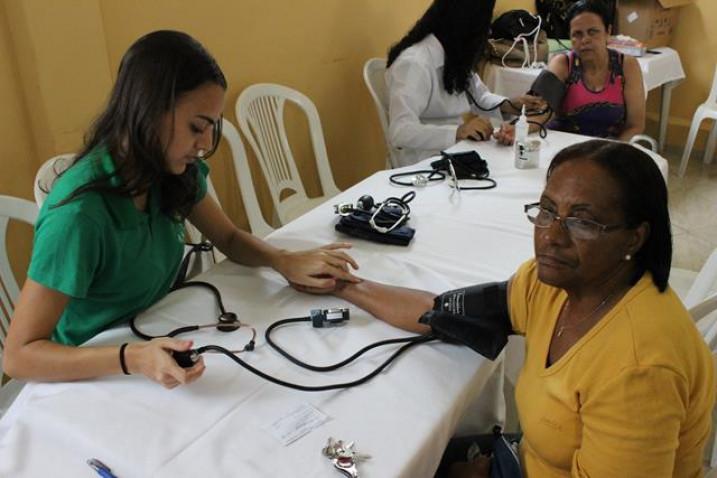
{"x":123,"y":364}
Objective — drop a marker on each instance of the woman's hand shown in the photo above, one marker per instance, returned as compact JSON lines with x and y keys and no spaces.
{"x":477,"y":129}
{"x":531,"y":103}
{"x":153,"y":359}
{"x":335,"y":288}
{"x":506,"y":134}
{"x":316,"y":270}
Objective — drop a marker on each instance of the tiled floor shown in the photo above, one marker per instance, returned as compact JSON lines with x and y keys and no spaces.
{"x":693,"y":209}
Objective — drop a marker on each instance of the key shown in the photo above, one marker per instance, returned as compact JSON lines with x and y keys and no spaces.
{"x":329,"y":450}
{"x":346,"y":466}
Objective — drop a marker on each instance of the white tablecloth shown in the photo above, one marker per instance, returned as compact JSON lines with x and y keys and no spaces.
{"x":220,"y":425}
{"x":657,"y":69}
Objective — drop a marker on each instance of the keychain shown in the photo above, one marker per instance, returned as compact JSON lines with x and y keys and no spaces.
{"x":344,"y":457}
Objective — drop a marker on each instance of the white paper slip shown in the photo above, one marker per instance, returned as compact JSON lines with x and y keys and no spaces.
{"x":297,"y":423}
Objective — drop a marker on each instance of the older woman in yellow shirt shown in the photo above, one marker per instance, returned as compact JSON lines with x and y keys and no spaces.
{"x":617,"y":380}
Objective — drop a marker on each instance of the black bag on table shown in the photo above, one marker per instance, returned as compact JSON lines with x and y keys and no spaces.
{"x":513,"y":23}
{"x":467,"y":165}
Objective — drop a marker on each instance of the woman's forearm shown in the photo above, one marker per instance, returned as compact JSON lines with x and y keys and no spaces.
{"x":398,"y":306}
{"x":46,"y":361}
{"x":247,"y":249}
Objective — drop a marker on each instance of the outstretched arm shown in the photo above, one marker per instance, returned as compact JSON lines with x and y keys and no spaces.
{"x":319,"y":267}
{"x":31,"y":355}
{"x":398,"y":306}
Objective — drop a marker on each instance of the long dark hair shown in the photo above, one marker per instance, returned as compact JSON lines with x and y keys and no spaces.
{"x":643,"y":199}
{"x":154,"y":73}
{"x":462,"y":27}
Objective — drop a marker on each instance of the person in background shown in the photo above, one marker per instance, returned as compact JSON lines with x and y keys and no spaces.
{"x":617,"y":380}
{"x":110,"y":236}
{"x":432,"y":83}
{"x":604,"y":91}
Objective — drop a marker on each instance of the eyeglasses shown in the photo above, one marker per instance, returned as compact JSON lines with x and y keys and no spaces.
{"x":578,"y":228}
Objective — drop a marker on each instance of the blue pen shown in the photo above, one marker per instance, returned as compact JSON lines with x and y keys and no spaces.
{"x":101,"y":469}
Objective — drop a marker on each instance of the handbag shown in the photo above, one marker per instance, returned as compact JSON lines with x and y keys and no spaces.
{"x":517,"y":40}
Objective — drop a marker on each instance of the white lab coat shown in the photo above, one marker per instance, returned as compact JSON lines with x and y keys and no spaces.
{"x":423,"y":117}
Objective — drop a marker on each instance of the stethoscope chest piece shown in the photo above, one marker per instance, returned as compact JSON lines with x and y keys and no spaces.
{"x":228,"y":322}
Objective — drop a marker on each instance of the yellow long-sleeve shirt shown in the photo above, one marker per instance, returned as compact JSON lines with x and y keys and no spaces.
{"x":632,"y":398}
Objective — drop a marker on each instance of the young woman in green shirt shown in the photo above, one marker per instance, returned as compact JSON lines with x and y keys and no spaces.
{"x":110,"y":237}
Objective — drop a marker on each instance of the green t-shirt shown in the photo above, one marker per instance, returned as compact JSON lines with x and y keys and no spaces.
{"x":111,"y":259}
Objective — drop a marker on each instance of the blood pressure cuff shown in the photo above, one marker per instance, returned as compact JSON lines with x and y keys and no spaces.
{"x":550,"y":88}
{"x":468,"y":165}
{"x":357,"y":224}
{"x":475,"y":316}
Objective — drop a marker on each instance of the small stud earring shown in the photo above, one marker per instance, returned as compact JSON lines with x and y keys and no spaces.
{"x":201,"y":153}
{"x":628,"y":257}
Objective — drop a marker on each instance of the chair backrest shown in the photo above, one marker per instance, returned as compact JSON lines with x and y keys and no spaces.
{"x":374,"y":75}
{"x":701,"y":301}
{"x":712,"y":98}
{"x":260,"y":110}
{"x":48,"y":172}
{"x":643,"y":138}
{"x":705,"y":283}
{"x":11,"y":208}
{"x":259,"y":226}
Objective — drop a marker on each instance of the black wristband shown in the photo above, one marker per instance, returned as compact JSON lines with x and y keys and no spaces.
{"x":123,"y":364}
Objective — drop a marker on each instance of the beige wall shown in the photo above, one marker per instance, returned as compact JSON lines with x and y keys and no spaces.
{"x":59,"y":58}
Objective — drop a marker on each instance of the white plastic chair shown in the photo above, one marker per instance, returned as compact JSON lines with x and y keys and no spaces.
{"x":707,"y":110}
{"x":259,"y":226}
{"x":701,"y":302}
{"x":643,"y":138}
{"x":48,"y":172}
{"x":11,"y":208}
{"x":260,"y":110}
{"x":374,"y":71}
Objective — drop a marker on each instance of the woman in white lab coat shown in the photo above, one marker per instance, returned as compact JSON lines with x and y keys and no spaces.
{"x":432,"y":83}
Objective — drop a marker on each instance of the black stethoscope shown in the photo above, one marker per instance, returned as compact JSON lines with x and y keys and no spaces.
{"x":229,"y":322}
{"x":226,"y":322}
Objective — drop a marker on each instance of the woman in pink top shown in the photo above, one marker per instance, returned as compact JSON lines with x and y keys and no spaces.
{"x":604,"y":92}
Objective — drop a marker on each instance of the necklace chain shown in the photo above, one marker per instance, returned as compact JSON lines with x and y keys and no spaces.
{"x":562,"y":328}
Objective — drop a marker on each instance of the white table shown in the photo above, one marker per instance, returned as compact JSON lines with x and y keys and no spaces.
{"x":663,"y":69}
{"x":219,"y":426}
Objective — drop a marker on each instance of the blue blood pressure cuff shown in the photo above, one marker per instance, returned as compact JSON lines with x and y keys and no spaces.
{"x":475,"y":316}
